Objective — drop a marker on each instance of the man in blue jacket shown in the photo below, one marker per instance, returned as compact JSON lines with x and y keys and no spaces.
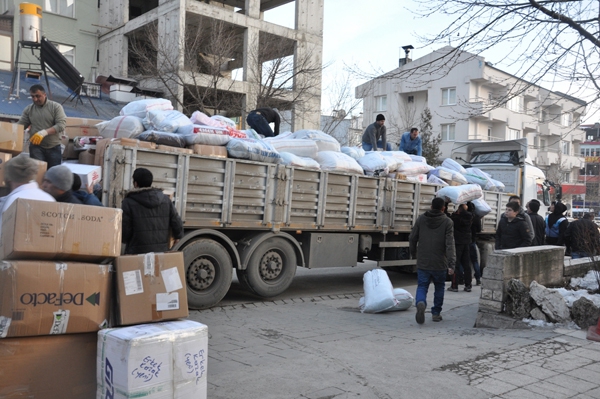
{"x":411,"y":142}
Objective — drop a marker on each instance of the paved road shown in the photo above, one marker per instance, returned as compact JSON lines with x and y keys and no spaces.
{"x":313,"y":343}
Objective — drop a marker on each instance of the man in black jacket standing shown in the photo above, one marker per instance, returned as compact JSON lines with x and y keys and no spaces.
{"x":434,"y":234}
{"x":462,"y":220}
{"x":538,"y":223}
{"x":582,"y":237}
{"x":148,"y":215}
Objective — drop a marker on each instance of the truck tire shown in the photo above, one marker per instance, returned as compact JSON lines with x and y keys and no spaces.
{"x":271,"y":268}
{"x":208,"y":273}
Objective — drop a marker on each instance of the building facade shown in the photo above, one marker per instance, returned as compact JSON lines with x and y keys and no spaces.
{"x":470,"y":100}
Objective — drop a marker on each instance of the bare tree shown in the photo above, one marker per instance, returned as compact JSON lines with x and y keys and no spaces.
{"x":342,"y":102}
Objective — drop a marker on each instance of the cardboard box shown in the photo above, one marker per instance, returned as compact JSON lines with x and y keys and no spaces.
{"x":54,"y":230}
{"x":81,"y":127}
{"x":69,"y":148}
{"x":102,"y":145}
{"x":165,"y":360}
{"x":49,"y":367}
{"x":42,"y":166}
{"x":89,"y":174}
{"x":88,"y":157}
{"x":210,"y":150}
{"x":47,"y":298}
{"x":174,"y":149}
{"x":150,"y":287}
{"x":11,"y":138}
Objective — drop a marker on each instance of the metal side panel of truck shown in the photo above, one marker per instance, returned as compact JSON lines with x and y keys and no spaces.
{"x":264,"y":220}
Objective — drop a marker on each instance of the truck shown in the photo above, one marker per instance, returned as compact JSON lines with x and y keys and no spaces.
{"x":264,"y":220}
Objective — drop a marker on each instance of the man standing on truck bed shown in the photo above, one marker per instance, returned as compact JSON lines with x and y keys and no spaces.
{"x":375,"y":136}
{"x":46,"y":120}
{"x":148,"y":214}
{"x":411,"y":142}
{"x":260,"y":118}
{"x":432,"y":239}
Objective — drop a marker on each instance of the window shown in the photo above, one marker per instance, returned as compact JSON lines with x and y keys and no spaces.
{"x":567,"y":177}
{"x":411,"y":99}
{"x":543,"y":145}
{"x":448,"y":132}
{"x":61,"y":7}
{"x":513,"y":134}
{"x":381,"y":103}
{"x":566,"y":119}
{"x":5,"y":52}
{"x":566,"y":148}
{"x":449,"y":96}
{"x":489,"y":130}
{"x":582,"y":152}
{"x":515,"y":104}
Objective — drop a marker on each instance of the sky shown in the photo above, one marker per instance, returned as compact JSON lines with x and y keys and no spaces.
{"x":370,"y":34}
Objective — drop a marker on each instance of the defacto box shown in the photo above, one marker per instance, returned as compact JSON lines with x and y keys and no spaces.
{"x":150,"y":287}
{"x":55,"y":230}
{"x":166,"y":360}
{"x":47,"y":298}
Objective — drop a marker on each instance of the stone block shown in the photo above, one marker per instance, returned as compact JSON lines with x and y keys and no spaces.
{"x":498,"y":296}
{"x":578,"y":267}
{"x":490,"y":320}
{"x":495,"y":285}
{"x":486,"y":294}
{"x":490,"y":305}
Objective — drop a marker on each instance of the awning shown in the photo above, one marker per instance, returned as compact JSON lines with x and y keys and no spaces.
{"x":573,"y":189}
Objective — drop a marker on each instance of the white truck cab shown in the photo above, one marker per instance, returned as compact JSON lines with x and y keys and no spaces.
{"x":507,"y":161}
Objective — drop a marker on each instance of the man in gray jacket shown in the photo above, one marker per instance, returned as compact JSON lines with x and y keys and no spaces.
{"x":433,"y":238}
{"x":375,"y":136}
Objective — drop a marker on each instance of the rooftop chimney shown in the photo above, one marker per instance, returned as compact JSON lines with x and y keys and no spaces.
{"x":406,"y":59}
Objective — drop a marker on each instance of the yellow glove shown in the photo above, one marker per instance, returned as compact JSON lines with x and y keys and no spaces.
{"x":37,"y":138}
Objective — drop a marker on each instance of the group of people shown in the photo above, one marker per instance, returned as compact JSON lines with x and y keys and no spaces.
{"x":150,"y":219}
{"x":375,"y":136}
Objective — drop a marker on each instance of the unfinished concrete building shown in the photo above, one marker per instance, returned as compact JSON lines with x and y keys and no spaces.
{"x":219,"y":57}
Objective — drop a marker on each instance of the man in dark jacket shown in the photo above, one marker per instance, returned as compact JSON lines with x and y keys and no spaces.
{"x":433,"y":238}
{"x":462,"y":220}
{"x":85,"y":197}
{"x":556,"y":225}
{"x":582,"y":237}
{"x":148,"y":215}
{"x":260,"y":118}
{"x":517,"y":199}
{"x":473,"y":249}
{"x":538,"y":222}
{"x":512,"y":231}
{"x":57,"y":182}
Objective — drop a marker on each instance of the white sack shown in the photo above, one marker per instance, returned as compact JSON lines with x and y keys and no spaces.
{"x":290,"y":159}
{"x":324,"y":141}
{"x":417,"y":158}
{"x":460,"y":194}
{"x":436,"y":180}
{"x":299,"y":147}
{"x":449,"y":174}
{"x":200,"y":118}
{"x":414,"y":168}
{"x":354,"y":152}
{"x":420,"y":178}
{"x":482,"y":208}
{"x":498,"y":185}
{"x":166,"y":121}
{"x":224,"y":120}
{"x":375,"y":163}
{"x":452,"y":164}
{"x":338,"y":162}
{"x":139,"y":108}
{"x":379,"y":293}
{"x":404,"y":298}
{"x":121,"y":127}
{"x":207,"y":135}
{"x":477,"y":176}
{"x":254,"y":150}
{"x":399,"y":155}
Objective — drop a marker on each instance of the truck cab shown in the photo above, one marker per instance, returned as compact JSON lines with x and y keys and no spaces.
{"x":508,"y":162}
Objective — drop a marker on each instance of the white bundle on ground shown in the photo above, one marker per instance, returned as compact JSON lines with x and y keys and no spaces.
{"x":299,"y":147}
{"x":207,"y":135}
{"x":324,"y":141}
{"x":164,"y":138}
{"x":436,"y":180}
{"x":404,"y":298}
{"x":338,"y":162}
{"x":417,"y":158}
{"x":121,"y":126}
{"x":460,"y":194}
{"x":165,"y":121}
{"x":449,"y":174}
{"x":224,"y":120}
{"x":452,"y":164}
{"x":399,"y":155}
{"x":290,"y":159}
{"x":379,"y":293}
{"x":354,"y":152}
{"x":482,"y":208}
{"x":254,"y":150}
{"x":373,"y":163}
{"x":414,"y":168}
{"x":139,"y":108}
{"x":478,"y":176}
{"x":420,"y":178}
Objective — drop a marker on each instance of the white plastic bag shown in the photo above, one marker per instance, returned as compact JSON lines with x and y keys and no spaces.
{"x":324,"y":141}
{"x":482,"y":208}
{"x":224,"y":120}
{"x":404,"y":298}
{"x":399,"y":155}
{"x":207,"y":135}
{"x":414,"y":168}
{"x":452,"y":164}
{"x":354,"y":152}
{"x":375,"y":163}
{"x":121,"y":127}
{"x":449,"y":175}
{"x":460,"y":194}
{"x":139,"y":108}
{"x":417,"y":158}
{"x":299,"y":147}
{"x":477,"y":176}
{"x":296,"y":161}
{"x":436,"y":180}
{"x":165,"y":121}
{"x":338,"y":162}
{"x":254,"y":150}
{"x":379,"y":293}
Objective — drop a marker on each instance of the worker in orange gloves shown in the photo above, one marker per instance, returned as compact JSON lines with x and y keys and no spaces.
{"x":46,"y":120}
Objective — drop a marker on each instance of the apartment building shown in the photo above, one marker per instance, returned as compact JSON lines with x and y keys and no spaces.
{"x":471,"y":100}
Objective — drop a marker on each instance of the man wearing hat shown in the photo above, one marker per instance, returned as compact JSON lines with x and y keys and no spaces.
{"x":20,"y":173}
{"x":375,"y":136}
{"x":57,"y":182}
{"x":46,"y":120}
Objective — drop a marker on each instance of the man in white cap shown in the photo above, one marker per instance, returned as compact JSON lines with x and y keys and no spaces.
{"x":58,"y":182}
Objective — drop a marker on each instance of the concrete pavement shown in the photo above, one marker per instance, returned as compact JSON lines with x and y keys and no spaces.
{"x":322,"y":347}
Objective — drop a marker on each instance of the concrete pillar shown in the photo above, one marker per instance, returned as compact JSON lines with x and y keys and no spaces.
{"x":253,"y":8}
{"x":171,"y":36}
{"x":309,"y":16}
{"x":252,"y":68}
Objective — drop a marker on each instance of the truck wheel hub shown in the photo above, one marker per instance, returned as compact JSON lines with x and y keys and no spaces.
{"x":201,"y":273}
{"x":271,"y":265}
